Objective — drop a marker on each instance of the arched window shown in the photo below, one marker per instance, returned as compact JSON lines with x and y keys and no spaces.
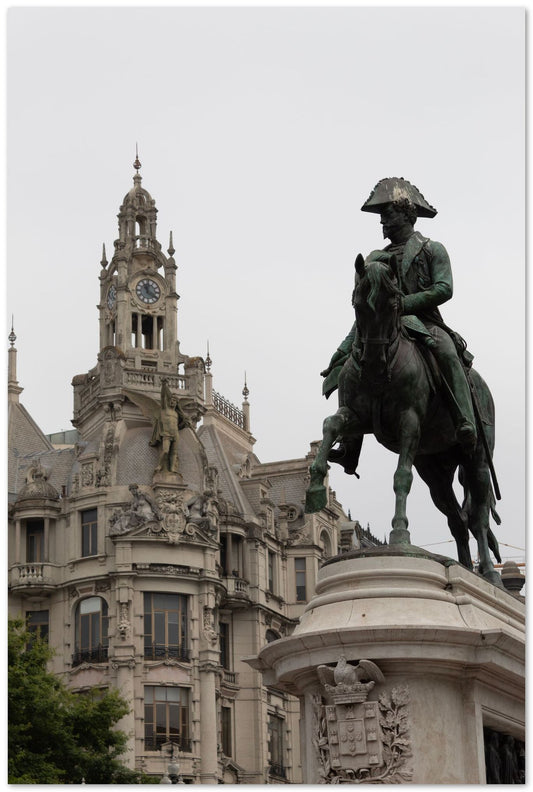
{"x":91,"y":640}
{"x":325,"y":541}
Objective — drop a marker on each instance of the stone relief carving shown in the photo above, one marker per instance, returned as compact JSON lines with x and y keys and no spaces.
{"x":209,"y":625}
{"x":123,"y":662}
{"x":103,"y":474}
{"x":298,"y":535}
{"x":203,"y":511}
{"x":87,"y":474}
{"x":174,"y":514}
{"x":123,"y":624}
{"x":355,"y":740}
{"x":142,"y":511}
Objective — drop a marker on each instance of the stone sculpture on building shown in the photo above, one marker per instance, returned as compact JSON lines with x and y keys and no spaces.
{"x":168,"y":419}
{"x":357,"y":740}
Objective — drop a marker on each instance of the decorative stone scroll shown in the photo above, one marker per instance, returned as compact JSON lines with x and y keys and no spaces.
{"x":357,"y":741}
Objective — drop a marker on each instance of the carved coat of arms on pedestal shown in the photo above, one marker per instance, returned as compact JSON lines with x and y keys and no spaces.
{"x":356,"y":740}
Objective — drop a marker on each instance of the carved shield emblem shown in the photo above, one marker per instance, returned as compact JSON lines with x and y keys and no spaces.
{"x":354,"y":735}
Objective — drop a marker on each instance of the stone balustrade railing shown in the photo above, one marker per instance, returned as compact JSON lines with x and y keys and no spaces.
{"x":33,"y":574}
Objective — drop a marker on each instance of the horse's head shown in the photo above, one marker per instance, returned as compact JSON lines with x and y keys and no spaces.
{"x":377,"y":306}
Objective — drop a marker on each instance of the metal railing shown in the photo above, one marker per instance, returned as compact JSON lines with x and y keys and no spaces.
{"x":97,"y":654}
{"x":277,"y":769}
{"x":158,"y":651}
{"x":156,"y":741}
{"x":228,"y":410}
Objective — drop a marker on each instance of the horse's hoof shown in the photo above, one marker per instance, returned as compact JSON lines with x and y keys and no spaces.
{"x":494,"y":578}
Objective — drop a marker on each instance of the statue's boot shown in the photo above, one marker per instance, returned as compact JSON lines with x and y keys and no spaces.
{"x":460,"y":403}
{"x":347,"y":455}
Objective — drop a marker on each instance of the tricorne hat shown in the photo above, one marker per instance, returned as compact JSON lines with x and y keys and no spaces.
{"x":394,"y":189}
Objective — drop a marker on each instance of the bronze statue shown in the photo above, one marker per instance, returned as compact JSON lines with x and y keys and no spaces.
{"x":420,"y":399}
{"x":168,"y":419}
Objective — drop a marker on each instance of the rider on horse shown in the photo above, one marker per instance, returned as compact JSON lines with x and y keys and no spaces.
{"x":426,"y":282}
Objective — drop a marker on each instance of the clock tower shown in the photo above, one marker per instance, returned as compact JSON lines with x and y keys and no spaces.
{"x":138,"y":299}
{"x":138,"y":311}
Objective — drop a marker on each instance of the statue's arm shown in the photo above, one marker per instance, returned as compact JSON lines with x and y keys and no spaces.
{"x":440,"y":288}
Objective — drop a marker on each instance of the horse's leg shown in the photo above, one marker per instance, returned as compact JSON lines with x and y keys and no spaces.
{"x":477,"y":480}
{"x":409,"y":434}
{"x":316,"y":497}
{"x":438,"y":474}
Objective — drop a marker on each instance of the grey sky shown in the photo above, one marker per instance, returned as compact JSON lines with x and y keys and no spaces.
{"x":261,"y":132}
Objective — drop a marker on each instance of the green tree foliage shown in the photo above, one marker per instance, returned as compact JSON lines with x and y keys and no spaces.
{"x":56,"y":736}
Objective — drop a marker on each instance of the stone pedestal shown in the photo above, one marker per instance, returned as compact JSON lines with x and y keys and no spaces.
{"x":400,"y":661}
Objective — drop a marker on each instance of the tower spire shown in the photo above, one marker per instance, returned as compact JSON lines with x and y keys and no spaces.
{"x":13,"y":388}
{"x":137,"y":163}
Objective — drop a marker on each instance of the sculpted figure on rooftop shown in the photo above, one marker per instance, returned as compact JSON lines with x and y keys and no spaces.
{"x":167,"y":418}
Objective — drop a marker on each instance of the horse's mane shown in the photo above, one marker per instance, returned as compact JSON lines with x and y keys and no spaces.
{"x":380,"y":275}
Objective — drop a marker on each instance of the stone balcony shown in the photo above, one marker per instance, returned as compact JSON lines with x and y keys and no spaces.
{"x":237,"y":592}
{"x":34,"y":578}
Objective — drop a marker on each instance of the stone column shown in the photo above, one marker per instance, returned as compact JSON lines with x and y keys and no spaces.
{"x":46,"y":539}
{"x":208,"y":723}
{"x":125,"y":668}
{"x":17,"y":541}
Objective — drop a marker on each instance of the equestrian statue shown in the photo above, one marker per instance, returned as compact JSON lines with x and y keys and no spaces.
{"x":403,"y":375}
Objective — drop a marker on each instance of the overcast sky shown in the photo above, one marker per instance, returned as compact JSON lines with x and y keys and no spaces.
{"x":261,"y":132}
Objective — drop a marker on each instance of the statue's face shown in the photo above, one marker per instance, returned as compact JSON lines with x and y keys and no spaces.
{"x":392,"y":221}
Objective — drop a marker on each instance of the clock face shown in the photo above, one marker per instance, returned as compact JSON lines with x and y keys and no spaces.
{"x":148,"y":291}
{"x":111,"y":297}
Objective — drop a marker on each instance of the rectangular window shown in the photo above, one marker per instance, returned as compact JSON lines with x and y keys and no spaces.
{"x":166,"y":717}
{"x":223,"y":636}
{"x":89,"y":532}
{"x":299,"y":575}
{"x":34,"y":541}
{"x":271,"y":561}
{"x":275,"y":745}
{"x":166,"y":626}
{"x":38,"y":623}
{"x":225,"y":718}
{"x":91,"y":642}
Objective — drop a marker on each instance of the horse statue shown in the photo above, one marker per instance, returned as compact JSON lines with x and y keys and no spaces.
{"x":400,"y":400}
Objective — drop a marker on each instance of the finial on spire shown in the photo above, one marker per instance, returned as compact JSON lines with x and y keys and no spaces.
{"x":208,"y":361}
{"x":170,"y":250}
{"x":245,"y":391}
{"x":104,"y":259}
{"x":12,"y":337}
{"x":137,"y":163}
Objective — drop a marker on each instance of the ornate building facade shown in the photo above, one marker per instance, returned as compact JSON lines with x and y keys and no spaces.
{"x":152,"y":546}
